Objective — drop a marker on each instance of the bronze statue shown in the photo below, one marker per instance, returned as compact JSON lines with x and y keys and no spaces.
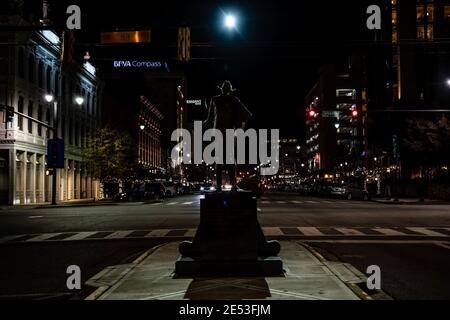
{"x":226,"y":111}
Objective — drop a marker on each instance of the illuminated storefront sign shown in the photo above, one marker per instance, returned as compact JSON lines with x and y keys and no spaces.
{"x":139,"y":64}
{"x":196,"y":102}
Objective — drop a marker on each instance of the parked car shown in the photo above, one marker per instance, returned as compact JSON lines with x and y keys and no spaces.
{"x":169,"y":189}
{"x":140,"y":191}
{"x":353,"y":191}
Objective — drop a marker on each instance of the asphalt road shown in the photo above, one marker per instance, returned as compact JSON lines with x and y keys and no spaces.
{"x":408,"y":242}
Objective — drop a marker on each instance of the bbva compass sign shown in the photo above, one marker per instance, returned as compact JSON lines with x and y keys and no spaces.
{"x":140,"y":64}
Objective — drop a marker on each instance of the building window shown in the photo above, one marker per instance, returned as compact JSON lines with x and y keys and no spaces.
{"x":20,"y":110}
{"x":41,"y":74}
{"x":39,"y":117}
{"x":31,"y":68}
{"x":30,"y":114}
{"x":20,"y":62}
{"x":49,"y":79}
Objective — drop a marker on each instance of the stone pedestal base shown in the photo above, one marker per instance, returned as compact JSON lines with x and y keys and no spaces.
{"x":229,"y":239}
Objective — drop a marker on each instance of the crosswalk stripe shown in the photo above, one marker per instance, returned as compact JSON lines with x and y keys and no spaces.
{"x":190,"y":232}
{"x":297,"y":202}
{"x":427,"y":232}
{"x":273,"y":231}
{"x":9,"y":238}
{"x":188,"y":202}
{"x":389,"y":232}
{"x":325,"y":201}
{"x":119,"y":234}
{"x":281,"y":202}
{"x":349,"y":232}
{"x":172,"y":203}
{"x":310,"y":231}
{"x":265,"y":202}
{"x":310,"y":201}
{"x":43,"y":237}
{"x":157,"y":233}
{"x":80,"y":235}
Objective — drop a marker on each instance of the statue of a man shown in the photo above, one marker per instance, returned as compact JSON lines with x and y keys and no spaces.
{"x":226,"y":111}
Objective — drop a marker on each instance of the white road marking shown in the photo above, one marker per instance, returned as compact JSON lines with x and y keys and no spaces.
{"x":272,"y":231}
{"x":43,"y":237}
{"x":310,"y":201}
{"x":310,"y":231}
{"x":172,"y":203}
{"x":297,"y":202}
{"x":35,"y":217}
{"x":325,"y":201}
{"x":157,"y":233}
{"x":188,"y":202}
{"x":443,"y":245}
{"x":80,"y":235}
{"x":190,"y":233}
{"x":427,"y":232}
{"x":119,"y":234}
{"x":389,"y":232}
{"x":258,"y":209}
{"x":281,"y":202}
{"x":9,"y":238}
{"x":349,"y":232}
{"x":265,"y":202}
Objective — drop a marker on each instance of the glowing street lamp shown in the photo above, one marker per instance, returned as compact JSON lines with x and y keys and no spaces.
{"x":230,"y":21}
{"x":49,"y":98}
{"x":79,"y":100}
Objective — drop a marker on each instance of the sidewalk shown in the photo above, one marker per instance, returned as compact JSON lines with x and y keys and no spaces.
{"x":410,"y":201}
{"x":307,"y":277}
{"x":70,"y":203}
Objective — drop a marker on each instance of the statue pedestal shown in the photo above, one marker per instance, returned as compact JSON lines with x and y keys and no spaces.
{"x":229,"y":239}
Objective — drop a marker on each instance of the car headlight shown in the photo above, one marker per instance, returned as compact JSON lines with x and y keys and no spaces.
{"x":212,"y":189}
{"x":202,"y":189}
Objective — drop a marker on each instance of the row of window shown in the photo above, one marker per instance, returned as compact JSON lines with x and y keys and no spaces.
{"x":42,"y":114}
{"x":50,"y":83}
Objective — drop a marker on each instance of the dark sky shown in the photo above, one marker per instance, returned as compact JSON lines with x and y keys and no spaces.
{"x":272,"y":59}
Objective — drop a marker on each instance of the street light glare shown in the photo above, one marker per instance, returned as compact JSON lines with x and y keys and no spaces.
{"x":48,"y":97}
{"x":79,"y":100}
{"x":230,"y":21}
{"x":448,"y":82}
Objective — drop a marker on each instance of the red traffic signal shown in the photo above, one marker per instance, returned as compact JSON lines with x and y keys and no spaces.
{"x":312,"y":113}
{"x":355,"y":113}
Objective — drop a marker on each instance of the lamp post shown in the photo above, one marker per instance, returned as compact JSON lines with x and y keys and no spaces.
{"x":50,"y":98}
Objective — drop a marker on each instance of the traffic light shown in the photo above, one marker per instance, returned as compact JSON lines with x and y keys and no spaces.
{"x":354,"y":113}
{"x":9,"y":114}
{"x":312,"y":113}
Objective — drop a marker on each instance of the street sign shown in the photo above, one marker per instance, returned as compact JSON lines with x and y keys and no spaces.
{"x":55,"y":153}
{"x":125,"y":37}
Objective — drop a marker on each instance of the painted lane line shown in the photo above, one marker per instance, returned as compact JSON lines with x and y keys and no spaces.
{"x":172,"y":203}
{"x":310,"y":231}
{"x":272,"y":231}
{"x":297,"y":202}
{"x":10,"y":238}
{"x":80,"y":235}
{"x":265,"y":202}
{"x":310,"y":201}
{"x":349,"y":232}
{"x":188,"y":202}
{"x":281,"y":202}
{"x":119,"y":234}
{"x":427,"y":232}
{"x":43,"y":237}
{"x":35,"y":217}
{"x":389,"y":232}
{"x":157,"y":233}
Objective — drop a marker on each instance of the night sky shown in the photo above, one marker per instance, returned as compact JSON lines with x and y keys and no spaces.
{"x":272,"y":59}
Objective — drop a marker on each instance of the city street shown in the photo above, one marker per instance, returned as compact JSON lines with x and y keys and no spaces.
{"x":408,"y":241}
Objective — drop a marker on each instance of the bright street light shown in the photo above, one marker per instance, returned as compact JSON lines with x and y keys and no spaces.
{"x":79,"y":100}
{"x":49,"y":98}
{"x":336,"y":125}
{"x":230,"y":21}
{"x":142,"y":127}
{"x":448,"y":82}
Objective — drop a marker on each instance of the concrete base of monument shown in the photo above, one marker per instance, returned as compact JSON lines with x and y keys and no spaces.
{"x":263,"y":266}
{"x":229,"y":239}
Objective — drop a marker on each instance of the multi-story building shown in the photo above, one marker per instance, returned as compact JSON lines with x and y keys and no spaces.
{"x":30,"y":69}
{"x":334,"y":120}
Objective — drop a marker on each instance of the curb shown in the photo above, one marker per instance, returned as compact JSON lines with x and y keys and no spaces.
{"x":103,"y":288}
{"x":352,"y":286}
